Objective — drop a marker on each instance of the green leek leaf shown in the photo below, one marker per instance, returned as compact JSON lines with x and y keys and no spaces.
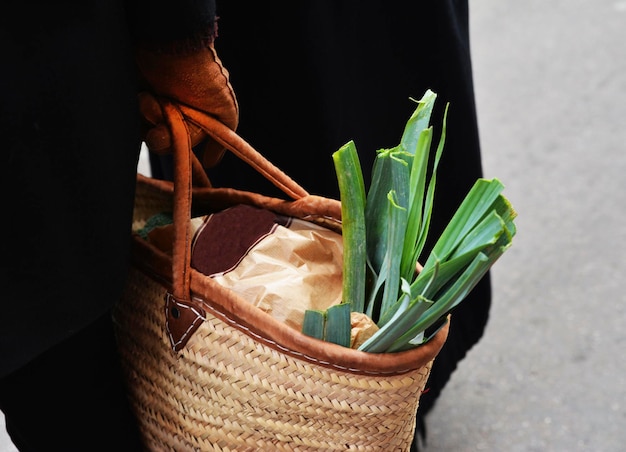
{"x":352,"y":194}
{"x":390,"y":173}
{"x":416,"y":202}
{"x":457,"y":292}
{"x":418,"y":121}
{"x":401,"y":322}
{"x":474,"y":206}
{"x":397,"y":217}
{"x":338,"y":324}
{"x":314,"y":323}
{"x":430,"y":193}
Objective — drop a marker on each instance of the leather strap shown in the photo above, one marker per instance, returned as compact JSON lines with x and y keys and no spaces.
{"x":181,"y":146}
{"x":238,"y":146}
{"x":186,"y":164}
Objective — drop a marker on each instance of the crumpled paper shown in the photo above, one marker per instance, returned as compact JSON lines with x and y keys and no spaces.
{"x":284,"y":266}
{"x":363,"y":328}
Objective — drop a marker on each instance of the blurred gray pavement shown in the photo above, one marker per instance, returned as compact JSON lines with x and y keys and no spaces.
{"x":549,"y":374}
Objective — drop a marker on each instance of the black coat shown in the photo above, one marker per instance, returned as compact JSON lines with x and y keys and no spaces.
{"x":70,"y":136}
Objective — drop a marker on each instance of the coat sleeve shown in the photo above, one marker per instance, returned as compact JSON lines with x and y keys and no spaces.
{"x":172,"y":25}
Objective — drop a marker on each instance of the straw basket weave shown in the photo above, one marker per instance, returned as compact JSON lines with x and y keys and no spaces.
{"x":206,"y":370}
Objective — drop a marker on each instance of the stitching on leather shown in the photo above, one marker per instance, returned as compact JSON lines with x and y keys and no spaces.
{"x":187,"y":333}
{"x":290,"y":351}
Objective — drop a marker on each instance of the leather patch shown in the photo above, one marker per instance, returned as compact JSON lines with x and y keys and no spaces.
{"x":182,"y":319}
{"x":227,"y":236}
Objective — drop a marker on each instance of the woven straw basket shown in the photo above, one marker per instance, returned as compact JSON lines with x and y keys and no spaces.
{"x":206,"y":370}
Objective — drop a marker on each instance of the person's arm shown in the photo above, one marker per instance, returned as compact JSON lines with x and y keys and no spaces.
{"x":176,"y":59}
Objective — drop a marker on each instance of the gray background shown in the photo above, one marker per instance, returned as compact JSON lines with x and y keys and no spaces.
{"x":551,"y":94}
{"x":549,"y":374}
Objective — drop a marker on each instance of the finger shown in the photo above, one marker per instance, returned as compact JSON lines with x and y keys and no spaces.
{"x":150,"y":108}
{"x":158,"y":139}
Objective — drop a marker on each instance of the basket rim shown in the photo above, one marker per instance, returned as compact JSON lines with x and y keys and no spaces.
{"x":277,"y":335}
{"x":261,"y":326}
{"x":254,"y":322}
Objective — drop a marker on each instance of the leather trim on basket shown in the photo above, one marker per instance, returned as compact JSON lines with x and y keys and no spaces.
{"x":182,"y":319}
{"x":262,"y":327}
{"x":242,"y":315}
{"x":248,"y":318}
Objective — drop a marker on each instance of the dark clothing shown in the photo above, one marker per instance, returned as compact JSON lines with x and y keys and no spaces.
{"x":70,"y":140}
{"x":70,"y":131}
{"x":70,"y":134}
{"x":311,"y":75}
{"x":71,"y":398}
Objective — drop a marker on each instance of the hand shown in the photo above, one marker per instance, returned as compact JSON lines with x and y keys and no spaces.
{"x":195,"y":78}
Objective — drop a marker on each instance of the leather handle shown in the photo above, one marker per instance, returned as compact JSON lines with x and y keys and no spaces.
{"x":181,"y":255}
{"x":242,"y":149}
{"x":186,"y":171}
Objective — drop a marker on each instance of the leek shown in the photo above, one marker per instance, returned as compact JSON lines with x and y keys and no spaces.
{"x":352,"y":193}
{"x":338,"y":326}
{"x":384,"y":233}
{"x":332,"y":325}
{"x":314,"y":323}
